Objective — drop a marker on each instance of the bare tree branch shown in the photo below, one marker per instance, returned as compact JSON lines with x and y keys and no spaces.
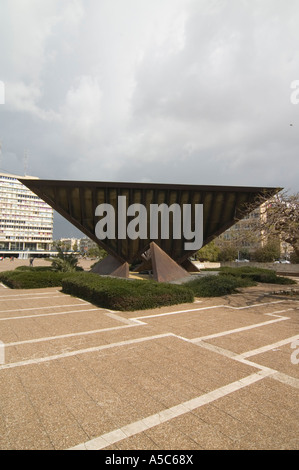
{"x":279,"y":219}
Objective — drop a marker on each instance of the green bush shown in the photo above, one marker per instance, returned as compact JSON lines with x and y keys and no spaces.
{"x":228,"y":253}
{"x":256,"y":274}
{"x":217,"y":286}
{"x":267,"y":253}
{"x":35,"y":269}
{"x":209,"y":252}
{"x":65,"y":262}
{"x":284,"y":280}
{"x":123,"y":294}
{"x":31,"y":279}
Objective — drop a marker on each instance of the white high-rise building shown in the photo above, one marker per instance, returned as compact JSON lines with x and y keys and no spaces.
{"x":26,"y":221}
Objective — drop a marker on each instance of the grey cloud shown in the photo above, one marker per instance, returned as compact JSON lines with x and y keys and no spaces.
{"x":185,"y":91}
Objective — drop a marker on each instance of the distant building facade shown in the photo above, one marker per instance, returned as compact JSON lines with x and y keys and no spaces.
{"x":87,"y":244}
{"x":69,"y":244}
{"x":77,"y":245}
{"x":248,"y":236}
{"x":245,"y":233}
{"x":26,"y":221}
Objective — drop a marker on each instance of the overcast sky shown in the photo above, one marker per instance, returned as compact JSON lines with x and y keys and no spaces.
{"x":174,"y":91}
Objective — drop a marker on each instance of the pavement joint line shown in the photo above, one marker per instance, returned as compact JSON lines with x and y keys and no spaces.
{"x":267,"y":348}
{"x":286,"y":379}
{"x":41,"y":308}
{"x":127,"y":321}
{"x":35,"y":298}
{"x":273,"y":373}
{"x":255,"y":305}
{"x":168,"y":414}
{"x":135,"y":322}
{"x":82,"y":351}
{"x":49,"y":314}
{"x":275,"y":314}
{"x":207,"y":308}
{"x":69,"y":335}
{"x":234,"y":356}
{"x":238,"y":330}
{"x":11,"y":297}
{"x":177,"y":312}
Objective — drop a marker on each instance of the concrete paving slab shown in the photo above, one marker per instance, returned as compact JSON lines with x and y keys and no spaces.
{"x":214,"y":374}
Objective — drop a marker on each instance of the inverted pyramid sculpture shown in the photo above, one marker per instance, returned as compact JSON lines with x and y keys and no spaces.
{"x":77,"y":201}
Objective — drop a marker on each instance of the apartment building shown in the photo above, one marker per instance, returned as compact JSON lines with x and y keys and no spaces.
{"x":248,"y":235}
{"x":26,"y":221}
{"x":69,"y":244}
{"x":86,"y":244}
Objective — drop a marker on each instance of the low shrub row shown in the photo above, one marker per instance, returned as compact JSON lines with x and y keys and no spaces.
{"x":256,"y":274}
{"x":123,"y":294}
{"x":33,"y":278}
{"x":217,"y":286}
{"x":35,"y":268}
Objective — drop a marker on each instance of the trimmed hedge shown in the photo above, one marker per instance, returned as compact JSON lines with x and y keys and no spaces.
{"x":123,"y":294}
{"x":217,"y":286}
{"x":35,"y":268}
{"x":31,"y":278}
{"x":256,"y":274}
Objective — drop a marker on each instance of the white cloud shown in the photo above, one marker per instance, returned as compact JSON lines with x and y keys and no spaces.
{"x":73,"y":12}
{"x":24,"y":98}
{"x":25,"y":27}
{"x":25,"y":31}
{"x":82,"y":112}
{"x":226,"y":91}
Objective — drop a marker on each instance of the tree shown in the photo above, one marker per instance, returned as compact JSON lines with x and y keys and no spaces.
{"x":280,"y":219}
{"x":64,"y":262}
{"x":209,"y":252}
{"x":267,"y":253}
{"x":228,"y":252}
{"x":97,"y":252}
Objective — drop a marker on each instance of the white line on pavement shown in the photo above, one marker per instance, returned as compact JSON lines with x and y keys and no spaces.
{"x":269,"y":347}
{"x":275,"y":374}
{"x":69,"y":335}
{"x":243,"y":328}
{"x":37,"y":295}
{"x":177,"y":312}
{"x":81,"y":351}
{"x":167,"y":414}
{"x":256,"y":305}
{"x":24,"y":317}
{"x":41,"y":308}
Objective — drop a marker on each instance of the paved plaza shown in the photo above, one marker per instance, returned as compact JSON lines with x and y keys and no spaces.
{"x":219,"y":373}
